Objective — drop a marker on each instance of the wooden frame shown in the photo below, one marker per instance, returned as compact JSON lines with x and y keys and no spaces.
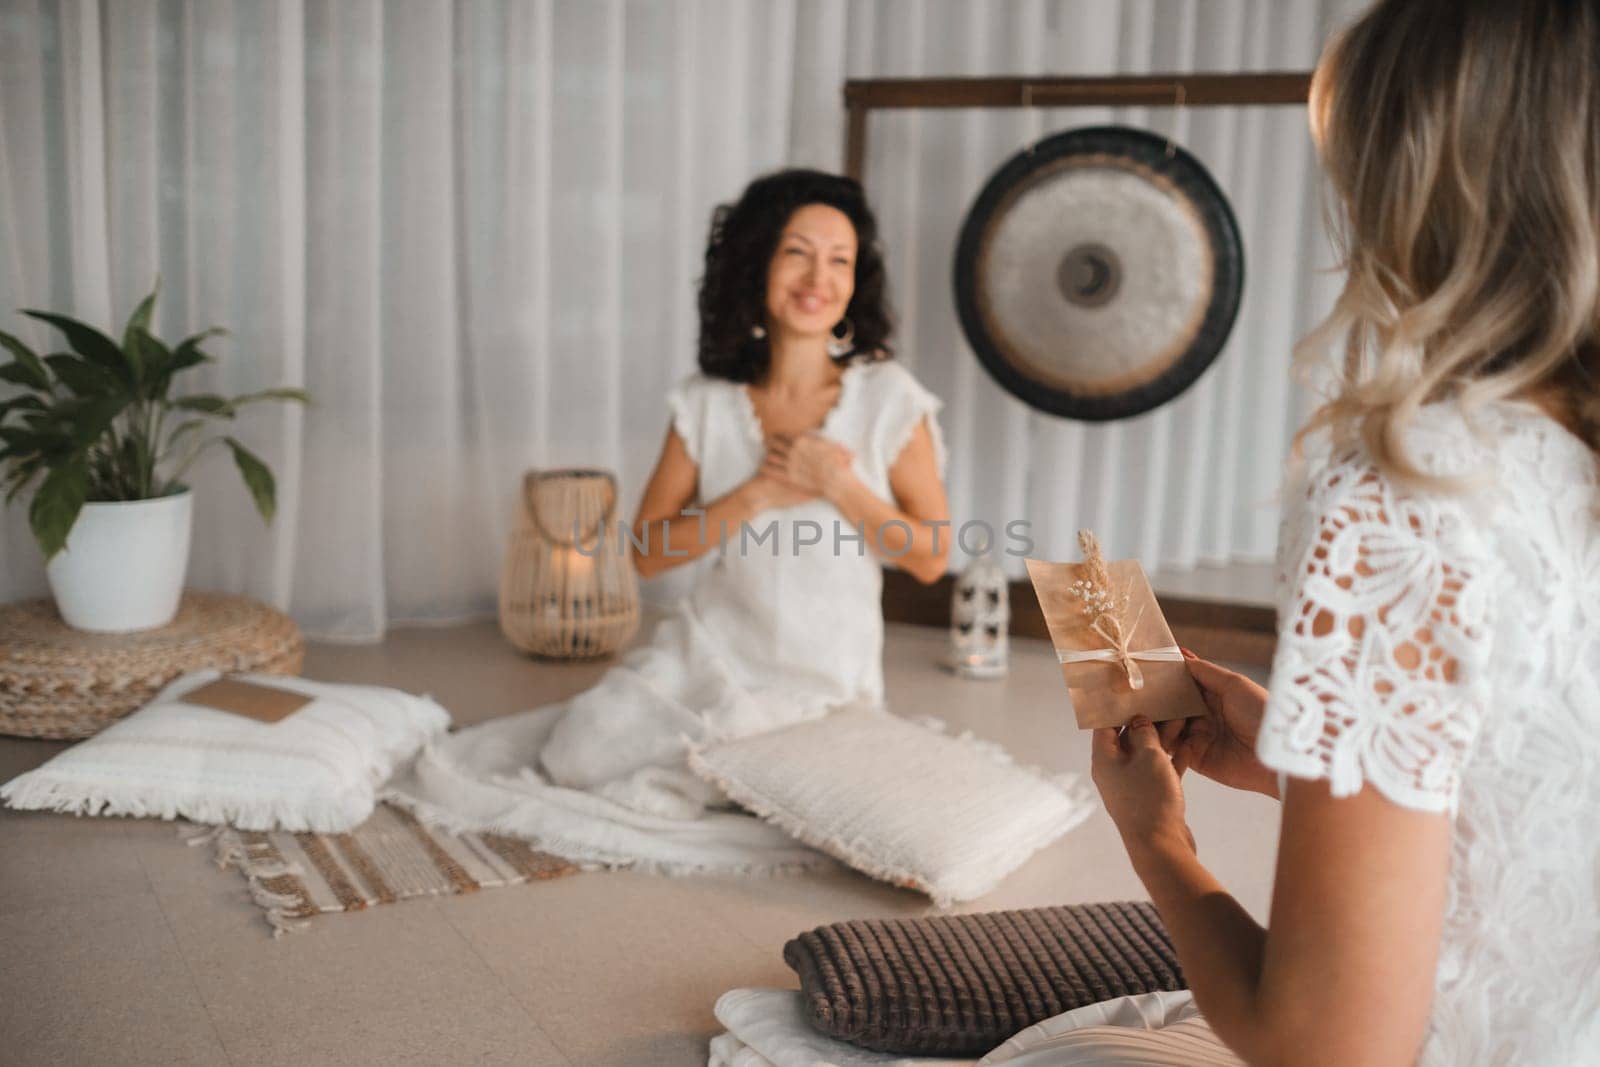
{"x":865,"y":95}
{"x":1237,"y":632}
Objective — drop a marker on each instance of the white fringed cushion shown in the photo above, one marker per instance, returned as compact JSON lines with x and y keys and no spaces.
{"x":316,"y":770}
{"x":902,"y":802}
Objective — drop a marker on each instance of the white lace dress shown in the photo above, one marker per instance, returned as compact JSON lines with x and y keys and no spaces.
{"x":785,"y":624}
{"x":1473,"y":688}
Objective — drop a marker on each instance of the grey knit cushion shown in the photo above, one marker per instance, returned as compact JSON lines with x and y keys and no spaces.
{"x":959,"y":985}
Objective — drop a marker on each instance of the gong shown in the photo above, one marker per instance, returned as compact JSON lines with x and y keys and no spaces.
{"x":1099,"y":273}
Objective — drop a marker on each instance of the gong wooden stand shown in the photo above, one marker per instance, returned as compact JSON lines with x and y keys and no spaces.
{"x":862,"y":96}
{"x":1236,"y":632}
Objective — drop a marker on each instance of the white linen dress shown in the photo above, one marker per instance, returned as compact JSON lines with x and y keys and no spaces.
{"x":776,"y":630}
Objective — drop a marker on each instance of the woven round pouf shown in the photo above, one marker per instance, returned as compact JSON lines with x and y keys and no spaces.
{"x":59,"y":682}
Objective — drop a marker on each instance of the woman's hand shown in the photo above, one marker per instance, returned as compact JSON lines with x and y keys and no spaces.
{"x":771,"y":486}
{"x":809,"y":461}
{"x":1141,"y":789}
{"x":1222,"y":745}
{"x":769,"y":491}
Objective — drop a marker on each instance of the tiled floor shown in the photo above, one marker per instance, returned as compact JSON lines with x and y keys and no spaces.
{"x":121,"y":945}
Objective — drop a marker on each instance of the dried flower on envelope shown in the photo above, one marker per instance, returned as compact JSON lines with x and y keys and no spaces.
{"x":1098,"y":597}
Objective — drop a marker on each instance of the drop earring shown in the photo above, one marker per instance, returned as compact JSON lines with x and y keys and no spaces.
{"x":841,"y":346}
{"x":758,"y":331}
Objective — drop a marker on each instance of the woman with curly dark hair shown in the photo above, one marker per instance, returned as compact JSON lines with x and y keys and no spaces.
{"x":734,"y":343}
{"x":800,"y":456}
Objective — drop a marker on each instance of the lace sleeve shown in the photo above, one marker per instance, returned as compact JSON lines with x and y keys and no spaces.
{"x":1379,"y":673}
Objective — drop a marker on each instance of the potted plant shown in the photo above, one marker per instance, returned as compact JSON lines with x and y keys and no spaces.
{"x":108,"y":445}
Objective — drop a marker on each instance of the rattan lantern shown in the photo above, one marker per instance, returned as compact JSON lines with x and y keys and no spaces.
{"x":568,"y":589}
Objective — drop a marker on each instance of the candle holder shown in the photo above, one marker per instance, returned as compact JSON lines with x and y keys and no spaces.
{"x":568,"y":589}
{"x":980,"y":618}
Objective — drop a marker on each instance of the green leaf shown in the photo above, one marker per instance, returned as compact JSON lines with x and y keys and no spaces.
{"x":95,"y":419}
{"x":27,"y":403}
{"x":33,"y":441}
{"x":210,"y":403}
{"x":16,"y":439}
{"x":75,"y":422}
{"x":117,"y":469}
{"x":139,"y":321}
{"x":32,"y":370}
{"x":23,"y":375}
{"x":91,"y":343}
{"x":82,"y":377}
{"x":299,"y":396}
{"x":19,"y":476}
{"x":188,"y":353}
{"x":57,"y":503}
{"x":182,"y":361}
{"x":45,"y":422}
{"x":156,"y":360}
{"x":183,"y":429}
{"x":142,"y":465}
{"x":257,"y":478}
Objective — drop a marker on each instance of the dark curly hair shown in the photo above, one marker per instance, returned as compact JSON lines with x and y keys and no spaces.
{"x":744,"y":237}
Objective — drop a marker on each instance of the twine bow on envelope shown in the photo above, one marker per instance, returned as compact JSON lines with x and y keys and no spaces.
{"x":1118,"y":652}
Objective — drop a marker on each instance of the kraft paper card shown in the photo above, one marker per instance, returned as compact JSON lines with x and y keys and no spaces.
{"x":1120,"y":662}
{"x":264,"y":703}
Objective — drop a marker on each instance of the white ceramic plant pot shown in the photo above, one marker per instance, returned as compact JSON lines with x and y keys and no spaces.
{"x":124,"y":564}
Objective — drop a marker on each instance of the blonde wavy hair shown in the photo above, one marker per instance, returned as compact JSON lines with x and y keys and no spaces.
{"x":1462,"y":138}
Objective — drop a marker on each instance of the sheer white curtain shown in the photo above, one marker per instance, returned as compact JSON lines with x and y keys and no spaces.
{"x":473,"y":231}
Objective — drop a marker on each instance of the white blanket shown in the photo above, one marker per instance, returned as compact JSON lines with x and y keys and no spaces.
{"x":484,"y":780}
{"x":767,"y":1028}
{"x":603,"y":777}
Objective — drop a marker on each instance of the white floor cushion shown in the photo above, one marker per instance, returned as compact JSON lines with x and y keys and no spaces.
{"x":903,"y":802}
{"x":316,"y":770}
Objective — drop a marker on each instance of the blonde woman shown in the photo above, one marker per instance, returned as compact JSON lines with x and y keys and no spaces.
{"x":1433,"y":713}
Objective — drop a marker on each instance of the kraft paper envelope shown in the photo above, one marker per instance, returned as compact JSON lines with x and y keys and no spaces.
{"x":264,"y":703}
{"x":1099,"y":691}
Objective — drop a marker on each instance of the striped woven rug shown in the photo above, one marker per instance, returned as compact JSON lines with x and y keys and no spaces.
{"x":390,"y":857}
